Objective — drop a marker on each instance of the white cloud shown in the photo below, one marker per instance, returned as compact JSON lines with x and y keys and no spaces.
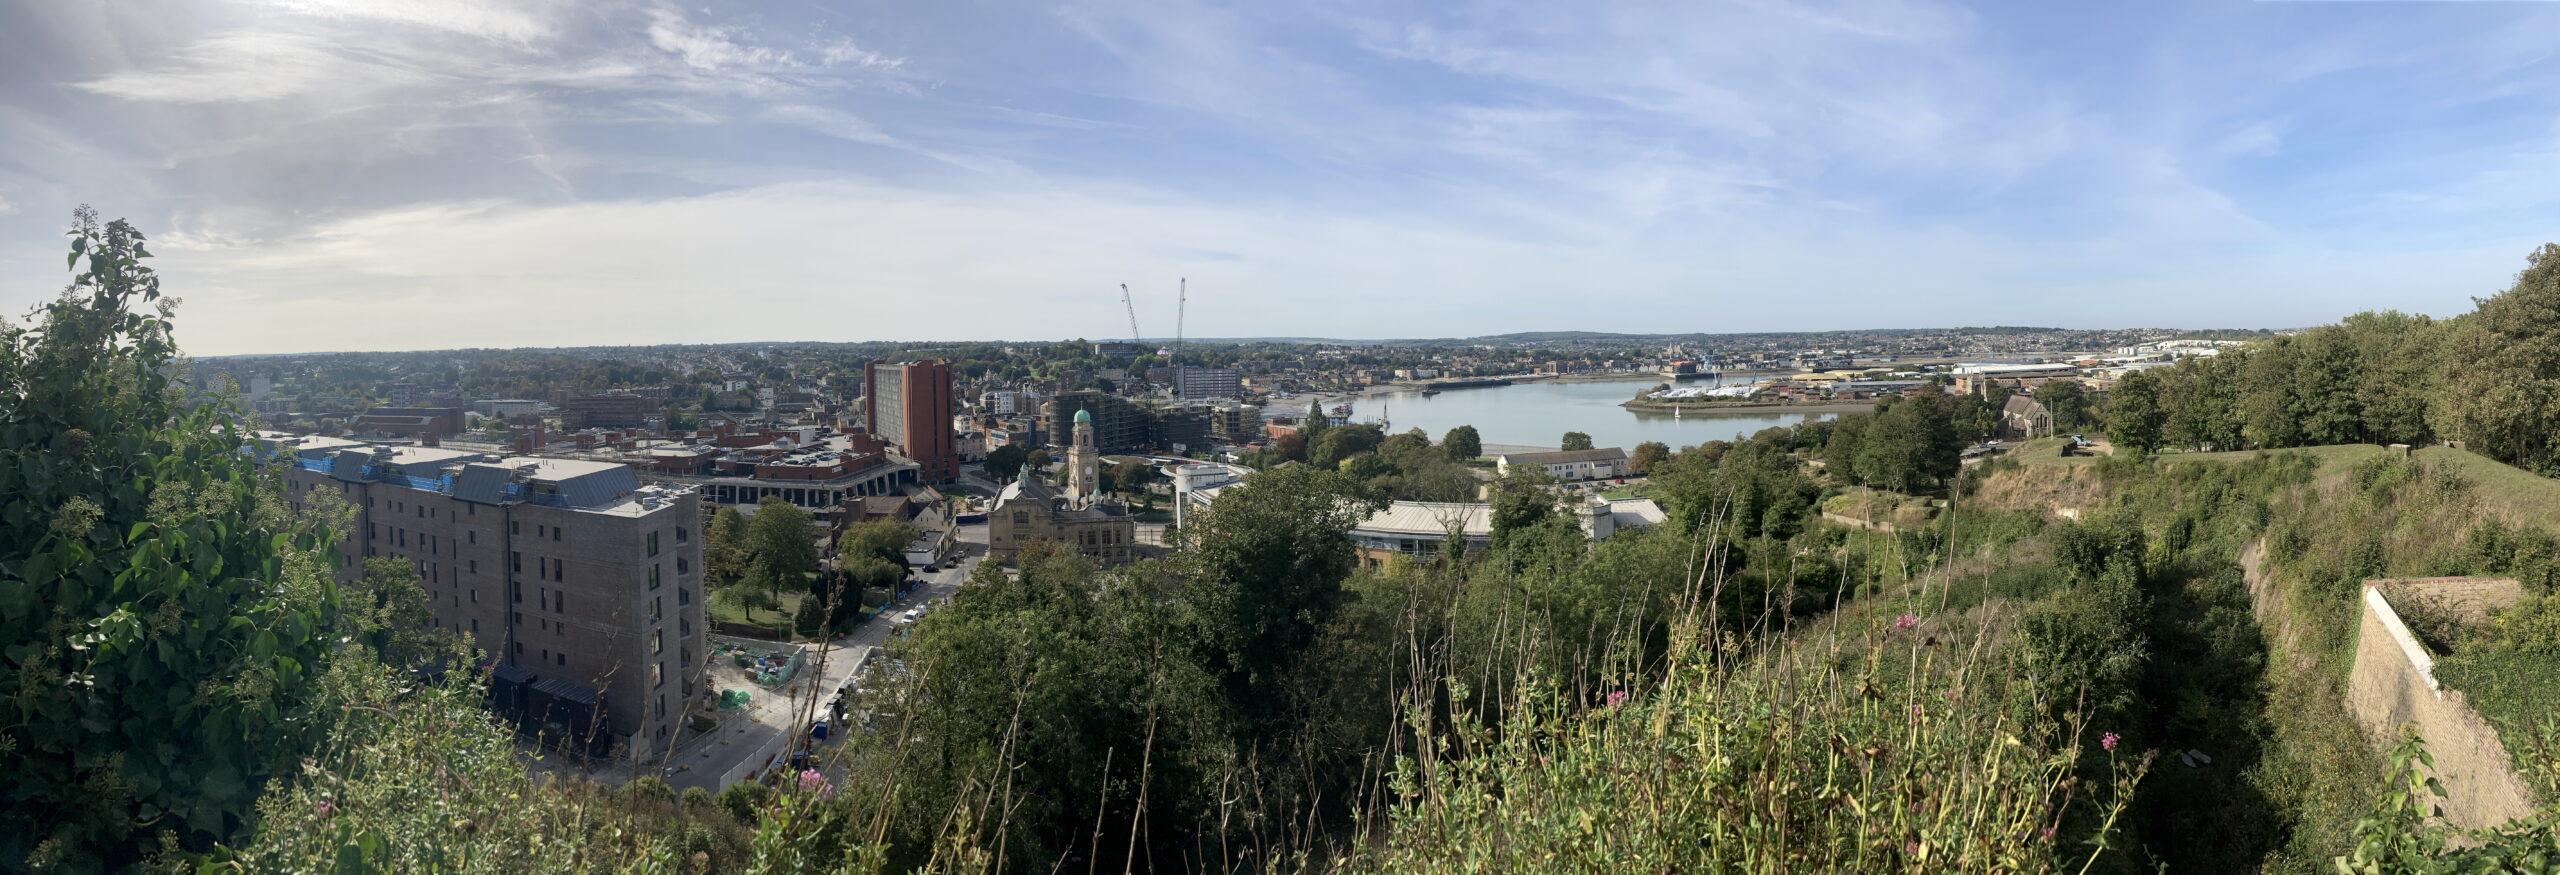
{"x":254,"y":65}
{"x":484,"y":20}
{"x":7,"y":208}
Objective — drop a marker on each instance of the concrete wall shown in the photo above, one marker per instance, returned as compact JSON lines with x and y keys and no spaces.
{"x":2393,"y":684}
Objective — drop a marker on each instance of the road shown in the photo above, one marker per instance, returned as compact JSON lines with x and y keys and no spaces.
{"x":754,"y":731}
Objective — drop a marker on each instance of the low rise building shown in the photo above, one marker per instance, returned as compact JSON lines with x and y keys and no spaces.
{"x":1077,"y":518}
{"x":1570,"y":464}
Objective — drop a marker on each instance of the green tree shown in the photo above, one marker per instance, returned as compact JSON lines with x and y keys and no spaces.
{"x":1316,"y":425}
{"x":1522,"y":500}
{"x":1004,"y":463}
{"x":781,"y":551}
{"x":390,"y":608}
{"x":2502,"y":371}
{"x":163,"y":616}
{"x":1463,"y":443}
{"x":1574,"y":440}
{"x":2134,"y":417}
{"x":724,"y":549}
{"x":1646,"y":456}
{"x":1266,"y":573}
{"x":1343,"y":442}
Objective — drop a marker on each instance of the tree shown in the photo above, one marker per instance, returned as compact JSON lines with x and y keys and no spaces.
{"x":724,"y":549}
{"x":164,"y":618}
{"x":1522,"y":499}
{"x":780,"y":552}
{"x":2067,"y":401}
{"x":2134,"y":416}
{"x":1463,"y":443}
{"x":885,"y":540}
{"x":1343,"y":442}
{"x":1316,"y":425}
{"x":1005,"y":463}
{"x":1574,"y":440}
{"x":2502,"y":371}
{"x":391,"y":609}
{"x":1647,"y":456}
{"x":1266,"y":573}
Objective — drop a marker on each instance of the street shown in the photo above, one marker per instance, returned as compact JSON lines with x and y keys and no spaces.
{"x":757,"y":731}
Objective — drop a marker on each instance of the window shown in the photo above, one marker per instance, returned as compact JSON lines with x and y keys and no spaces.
{"x":519,"y":647}
{"x":475,"y":623}
{"x":368,"y":531}
{"x":560,"y":603}
{"x":475,"y":599}
{"x":653,"y":577}
{"x":657,"y":641}
{"x":538,"y":529}
{"x":658,"y":678}
{"x":684,"y":566}
{"x":681,"y":534}
{"x":684,"y":596}
{"x":515,"y":562}
{"x":562,"y":656}
{"x":475,"y":566}
{"x":471,"y":536}
{"x":653,"y":543}
{"x":657,"y":609}
{"x":422,"y":511}
{"x":555,"y":533}
{"x":515,"y":527}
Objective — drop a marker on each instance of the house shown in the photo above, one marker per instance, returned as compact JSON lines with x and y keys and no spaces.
{"x":1570,"y":464}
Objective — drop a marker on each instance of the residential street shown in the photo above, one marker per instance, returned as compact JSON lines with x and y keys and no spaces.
{"x":757,"y":731}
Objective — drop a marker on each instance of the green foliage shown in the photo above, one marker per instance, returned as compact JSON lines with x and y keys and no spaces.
{"x":2134,"y":416}
{"x":1647,"y":456}
{"x":162,"y":616}
{"x":2400,"y":834}
{"x":1266,"y":573}
{"x":1004,"y":464}
{"x":724,"y":548}
{"x":2502,"y":370}
{"x":1574,"y":440}
{"x":781,"y":550}
{"x":1780,"y":765}
{"x":1462,"y":443}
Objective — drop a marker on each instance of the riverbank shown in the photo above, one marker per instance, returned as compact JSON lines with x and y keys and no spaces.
{"x":1756,"y":408}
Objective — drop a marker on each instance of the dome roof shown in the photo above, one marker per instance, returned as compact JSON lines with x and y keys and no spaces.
{"x":1084,"y":416}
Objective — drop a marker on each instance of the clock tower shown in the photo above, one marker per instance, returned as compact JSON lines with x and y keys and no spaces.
{"x":1084,"y":465}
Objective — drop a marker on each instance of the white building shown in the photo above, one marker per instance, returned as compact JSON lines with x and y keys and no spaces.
{"x":1570,"y":464}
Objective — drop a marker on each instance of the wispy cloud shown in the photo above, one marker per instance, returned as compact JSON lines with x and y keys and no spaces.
{"x":1708,"y":166}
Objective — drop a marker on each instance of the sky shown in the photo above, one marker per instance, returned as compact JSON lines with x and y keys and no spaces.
{"x":426,"y":174}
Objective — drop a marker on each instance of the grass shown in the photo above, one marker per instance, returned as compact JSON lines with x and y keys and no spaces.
{"x":775,"y":622}
{"x":2328,"y":455}
{"x":2527,"y":497}
{"x":2518,"y":692}
{"x":2048,"y":451}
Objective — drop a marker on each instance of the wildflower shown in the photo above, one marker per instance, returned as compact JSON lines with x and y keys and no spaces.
{"x":2109,"y":740}
{"x":1617,"y":698}
{"x":1911,"y":847}
{"x":2047,"y":833}
{"x":325,"y":807}
{"x":1906,"y":621}
{"x":811,"y":780}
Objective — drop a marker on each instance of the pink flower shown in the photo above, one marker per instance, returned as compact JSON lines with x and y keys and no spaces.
{"x":811,"y":780}
{"x":325,"y":808}
{"x":1906,"y":621}
{"x":2109,"y":740}
{"x":2047,"y":833}
{"x":1617,"y":698}
{"x":1912,"y":848}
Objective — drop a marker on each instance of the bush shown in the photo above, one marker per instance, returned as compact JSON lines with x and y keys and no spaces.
{"x":696,"y":800}
{"x":745,"y":801}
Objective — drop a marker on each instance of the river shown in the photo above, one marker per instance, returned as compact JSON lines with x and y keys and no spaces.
{"x":1538,"y":414}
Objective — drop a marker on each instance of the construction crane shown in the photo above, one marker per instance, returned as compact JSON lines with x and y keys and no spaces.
{"x":1134,"y":336}
{"x":1181,"y":298}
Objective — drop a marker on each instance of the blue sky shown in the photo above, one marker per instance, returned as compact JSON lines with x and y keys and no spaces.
{"x":341,"y":174}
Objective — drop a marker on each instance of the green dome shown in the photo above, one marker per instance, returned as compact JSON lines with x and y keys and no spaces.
{"x":1084,"y":416}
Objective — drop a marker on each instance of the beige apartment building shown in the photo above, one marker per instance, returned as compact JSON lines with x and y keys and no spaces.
{"x":581,"y":586}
